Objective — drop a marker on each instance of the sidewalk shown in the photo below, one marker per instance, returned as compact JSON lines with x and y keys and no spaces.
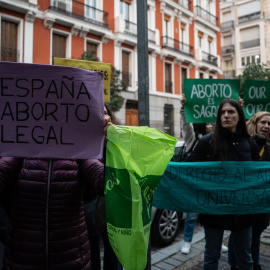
{"x":171,"y":258}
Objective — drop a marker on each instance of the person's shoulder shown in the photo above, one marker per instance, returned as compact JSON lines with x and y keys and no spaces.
{"x":206,"y":138}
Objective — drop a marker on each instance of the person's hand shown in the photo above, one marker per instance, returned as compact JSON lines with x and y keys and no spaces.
{"x":183,"y":100}
{"x":106,"y":123}
{"x":241,"y":101}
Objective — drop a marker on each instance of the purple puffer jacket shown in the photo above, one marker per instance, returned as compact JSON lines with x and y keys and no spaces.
{"x":48,"y":229}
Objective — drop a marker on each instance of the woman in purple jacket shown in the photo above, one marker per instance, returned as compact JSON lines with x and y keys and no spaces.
{"x":47,"y":224}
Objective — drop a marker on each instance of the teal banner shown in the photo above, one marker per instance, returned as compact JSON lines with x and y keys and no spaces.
{"x":229,"y":187}
{"x":256,"y":97}
{"x":204,"y":96}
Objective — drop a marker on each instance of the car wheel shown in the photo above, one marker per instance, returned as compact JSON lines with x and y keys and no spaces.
{"x":165,"y":227}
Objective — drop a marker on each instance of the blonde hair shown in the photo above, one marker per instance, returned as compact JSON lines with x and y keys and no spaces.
{"x":252,"y":122}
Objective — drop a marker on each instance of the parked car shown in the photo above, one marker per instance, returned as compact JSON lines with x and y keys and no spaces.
{"x":166,"y":223}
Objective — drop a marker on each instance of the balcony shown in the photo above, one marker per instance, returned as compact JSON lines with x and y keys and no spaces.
{"x":249,"y":17}
{"x":10,"y":54}
{"x":168,"y":86}
{"x":177,"y":45}
{"x":130,"y":28}
{"x":205,"y":15}
{"x":249,"y":44}
{"x":227,"y":49}
{"x":228,"y":74}
{"x":183,"y":3}
{"x":211,"y":59}
{"x":81,"y":11}
{"x":126,"y":78}
{"x":227,"y":26}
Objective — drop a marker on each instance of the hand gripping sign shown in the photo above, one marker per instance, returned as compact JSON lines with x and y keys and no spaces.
{"x":50,"y":111}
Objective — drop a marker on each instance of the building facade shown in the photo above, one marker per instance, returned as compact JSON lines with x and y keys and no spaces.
{"x":183,"y":42}
{"x":245,"y":34}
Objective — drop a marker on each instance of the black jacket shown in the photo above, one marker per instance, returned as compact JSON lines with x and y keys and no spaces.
{"x":239,"y":148}
{"x":4,"y":222}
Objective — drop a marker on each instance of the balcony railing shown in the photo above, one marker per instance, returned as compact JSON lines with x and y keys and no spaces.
{"x":211,"y":59}
{"x":227,"y":49}
{"x":227,"y":25}
{"x":249,"y":44}
{"x":81,"y":11}
{"x":9,"y":54}
{"x":168,"y":86}
{"x":177,"y":45}
{"x":229,"y":74}
{"x":249,"y":17}
{"x":126,"y":78}
{"x":130,"y":28}
{"x":205,"y":14}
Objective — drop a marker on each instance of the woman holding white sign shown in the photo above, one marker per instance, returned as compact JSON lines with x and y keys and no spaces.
{"x":229,"y":142}
{"x":259,"y":128}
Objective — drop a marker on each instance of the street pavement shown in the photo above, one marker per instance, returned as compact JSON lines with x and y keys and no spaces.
{"x":171,"y":258}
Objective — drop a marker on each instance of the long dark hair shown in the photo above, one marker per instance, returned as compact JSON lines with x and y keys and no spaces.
{"x":220,"y":134}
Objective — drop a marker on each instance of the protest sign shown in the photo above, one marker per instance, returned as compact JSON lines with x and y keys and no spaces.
{"x":135,"y":162}
{"x":50,"y":111}
{"x":228,"y":187}
{"x":204,"y":96}
{"x":93,"y":66}
{"x":256,"y":97}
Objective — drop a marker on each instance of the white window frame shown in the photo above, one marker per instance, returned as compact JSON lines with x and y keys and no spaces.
{"x":20,"y":33}
{"x":172,"y":78}
{"x":99,"y":46}
{"x":131,"y":64}
{"x":68,"y":43}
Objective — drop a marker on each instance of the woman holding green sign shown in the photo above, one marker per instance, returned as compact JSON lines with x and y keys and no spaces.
{"x":259,"y":128}
{"x":229,"y":142}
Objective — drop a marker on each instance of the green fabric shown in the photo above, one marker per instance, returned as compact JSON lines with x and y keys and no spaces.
{"x":136,"y":159}
{"x":228,"y":187}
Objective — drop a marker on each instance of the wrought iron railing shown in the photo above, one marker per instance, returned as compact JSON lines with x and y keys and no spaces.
{"x":227,"y":49}
{"x":205,"y":14}
{"x":126,"y":78}
{"x":177,"y":45}
{"x":130,"y":28}
{"x":227,"y":25}
{"x":81,"y":11}
{"x":228,"y":74}
{"x":10,"y":54}
{"x":249,"y":17}
{"x":249,"y":43}
{"x":209,"y":58}
{"x":168,"y":86}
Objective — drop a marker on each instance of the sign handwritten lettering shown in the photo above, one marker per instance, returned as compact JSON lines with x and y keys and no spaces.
{"x":229,"y":187}
{"x":50,"y":111}
{"x":204,"y":96}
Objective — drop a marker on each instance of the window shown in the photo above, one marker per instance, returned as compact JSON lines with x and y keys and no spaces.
{"x":93,"y":48}
{"x":254,"y":59}
{"x":228,"y":65}
{"x":124,"y":9}
{"x":168,"y":119}
{"x":243,"y":61}
{"x":201,"y":75}
{"x":183,"y":76}
{"x":59,"y":46}
{"x":126,"y":75}
{"x":168,"y":78}
{"x":166,"y":25}
{"x":210,"y":40}
{"x":9,"y":41}
{"x":200,"y":37}
{"x":91,"y":9}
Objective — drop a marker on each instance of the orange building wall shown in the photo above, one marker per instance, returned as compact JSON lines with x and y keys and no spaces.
{"x":177,"y":79}
{"x":108,"y":52}
{"x":43,"y":4}
{"x":176,"y":29}
{"x":77,"y":47}
{"x":41,"y":43}
{"x":108,"y":6}
{"x":159,"y":62}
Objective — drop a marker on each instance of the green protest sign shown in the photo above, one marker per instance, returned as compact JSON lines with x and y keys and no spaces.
{"x":204,"y":96}
{"x":136,"y":159}
{"x":228,"y":187}
{"x":256,"y":97}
